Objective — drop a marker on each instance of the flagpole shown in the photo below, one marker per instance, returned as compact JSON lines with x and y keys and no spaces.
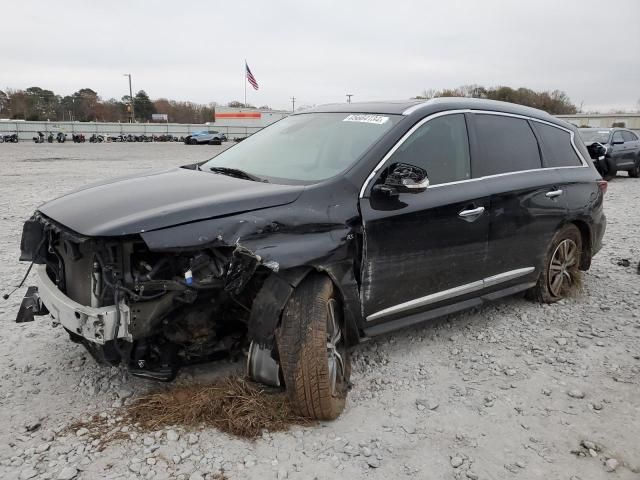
{"x":244,"y":77}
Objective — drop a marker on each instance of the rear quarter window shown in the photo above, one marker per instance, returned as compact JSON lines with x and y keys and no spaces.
{"x":629,"y":136}
{"x":506,"y":144}
{"x":557,"y":150}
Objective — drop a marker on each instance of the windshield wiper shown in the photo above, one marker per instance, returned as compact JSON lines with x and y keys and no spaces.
{"x":237,"y":173}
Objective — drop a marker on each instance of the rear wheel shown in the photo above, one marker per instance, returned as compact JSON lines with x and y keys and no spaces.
{"x":316,"y":365}
{"x":561,"y":274}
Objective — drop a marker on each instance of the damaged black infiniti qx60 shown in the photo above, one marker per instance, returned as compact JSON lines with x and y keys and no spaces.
{"x":331,"y":225}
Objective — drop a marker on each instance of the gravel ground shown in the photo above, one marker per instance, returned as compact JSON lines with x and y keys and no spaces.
{"x":511,"y":390}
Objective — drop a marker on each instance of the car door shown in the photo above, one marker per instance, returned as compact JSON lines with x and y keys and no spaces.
{"x":630,"y":149}
{"x":424,"y":249}
{"x":528,"y":203}
{"x":618,"y":149}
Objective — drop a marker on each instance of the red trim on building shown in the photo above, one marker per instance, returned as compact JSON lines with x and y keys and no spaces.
{"x":237,"y":115}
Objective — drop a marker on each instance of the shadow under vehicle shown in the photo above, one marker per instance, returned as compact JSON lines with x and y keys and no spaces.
{"x":328,"y":226}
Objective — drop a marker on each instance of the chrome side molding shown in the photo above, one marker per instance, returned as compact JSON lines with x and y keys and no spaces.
{"x":452,"y":292}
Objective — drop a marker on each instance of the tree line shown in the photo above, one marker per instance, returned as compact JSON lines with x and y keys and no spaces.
{"x":85,"y":105}
{"x":556,"y":102}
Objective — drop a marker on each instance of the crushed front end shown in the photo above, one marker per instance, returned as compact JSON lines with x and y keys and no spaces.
{"x":153,"y":310}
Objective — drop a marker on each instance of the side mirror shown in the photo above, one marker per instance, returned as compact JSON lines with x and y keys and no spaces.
{"x":407,"y":178}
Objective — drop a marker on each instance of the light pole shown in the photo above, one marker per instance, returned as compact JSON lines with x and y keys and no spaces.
{"x":132,"y":114}
{"x":293,"y":104}
{"x":349,"y":95}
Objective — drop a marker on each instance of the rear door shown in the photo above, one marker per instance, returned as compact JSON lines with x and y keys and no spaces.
{"x":427,"y":249}
{"x":527,"y":203}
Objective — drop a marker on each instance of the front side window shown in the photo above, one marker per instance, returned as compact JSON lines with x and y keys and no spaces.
{"x":507,"y":145}
{"x":617,"y":137}
{"x":441,"y":147}
{"x":306,"y":148}
{"x":557,"y":150}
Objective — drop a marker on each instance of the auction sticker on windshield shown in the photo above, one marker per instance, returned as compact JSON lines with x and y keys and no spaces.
{"x":362,"y":118}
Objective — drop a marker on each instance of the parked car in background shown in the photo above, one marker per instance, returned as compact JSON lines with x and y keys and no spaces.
{"x":205,"y":138}
{"x":613,"y":150}
{"x":328,"y":226}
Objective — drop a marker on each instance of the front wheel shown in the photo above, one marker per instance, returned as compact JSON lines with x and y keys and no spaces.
{"x":612,"y":170}
{"x":560,"y":275}
{"x":635,"y":171}
{"x":315,"y":362}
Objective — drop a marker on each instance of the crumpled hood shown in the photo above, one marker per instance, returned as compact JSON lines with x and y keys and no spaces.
{"x":161,"y":199}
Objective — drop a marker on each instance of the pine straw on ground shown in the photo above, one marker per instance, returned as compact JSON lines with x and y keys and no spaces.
{"x":233,"y":405}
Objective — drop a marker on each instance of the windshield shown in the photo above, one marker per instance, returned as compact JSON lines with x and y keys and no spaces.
{"x":600,"y":136}
{"x":306,"y":148}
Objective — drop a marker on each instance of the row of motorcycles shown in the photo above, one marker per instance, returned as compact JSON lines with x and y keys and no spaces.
{"x":9,"y":138}
{"x":61,"y":137}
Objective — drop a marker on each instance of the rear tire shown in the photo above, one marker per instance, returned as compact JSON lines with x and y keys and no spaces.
{"x":560,"y":275}
{"x":315,"y":363}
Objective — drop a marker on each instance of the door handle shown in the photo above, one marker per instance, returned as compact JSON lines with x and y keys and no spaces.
{"x":474,"y":212}
{"x":554,"y":193}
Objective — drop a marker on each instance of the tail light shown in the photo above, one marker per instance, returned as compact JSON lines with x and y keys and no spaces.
{"x":603,"y":185}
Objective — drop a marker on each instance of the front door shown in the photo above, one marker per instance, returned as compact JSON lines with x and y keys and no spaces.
{"x":618,"y":149}
{"x":427,"y":249}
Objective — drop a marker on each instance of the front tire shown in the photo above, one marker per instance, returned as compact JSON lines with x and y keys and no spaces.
{"x":560,"y":275}
{"x":612,"y":170}
{"x":635,"y":171}
{"x":315,"y":363}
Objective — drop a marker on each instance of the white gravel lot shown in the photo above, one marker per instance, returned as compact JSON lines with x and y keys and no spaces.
{"x":512,"y":390}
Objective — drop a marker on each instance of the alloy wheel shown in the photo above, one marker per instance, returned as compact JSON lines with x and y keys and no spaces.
{"x":334,"y":337}
{"x":563,"y":267}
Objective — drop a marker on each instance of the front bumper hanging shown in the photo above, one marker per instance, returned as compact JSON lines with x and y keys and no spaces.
{"x":97,"y":325}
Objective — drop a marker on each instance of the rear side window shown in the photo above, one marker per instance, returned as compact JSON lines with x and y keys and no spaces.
{"x":629,"y":136}
{"x":557,"y":150}
{"x":441,"y":147}
{"x":507,"y":144}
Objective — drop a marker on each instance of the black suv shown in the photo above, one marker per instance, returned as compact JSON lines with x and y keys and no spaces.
{"x":613,"y":150}
{"x":334,"y":224}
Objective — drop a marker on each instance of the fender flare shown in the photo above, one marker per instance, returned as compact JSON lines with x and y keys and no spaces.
{"x":276,"y":290}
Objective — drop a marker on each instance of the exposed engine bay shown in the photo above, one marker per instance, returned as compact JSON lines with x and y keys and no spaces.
{"x":183,"y":306}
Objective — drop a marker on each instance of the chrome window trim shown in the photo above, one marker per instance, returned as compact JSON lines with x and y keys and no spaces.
{"x":393,"y":149}
{"x":401,"y":141}
{"x":452,"y":292}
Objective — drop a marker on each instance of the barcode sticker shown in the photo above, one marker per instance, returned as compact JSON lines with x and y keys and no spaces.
{"x":365,"y":118}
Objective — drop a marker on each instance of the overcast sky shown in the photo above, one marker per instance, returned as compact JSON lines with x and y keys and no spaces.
{"x":318,"y":51}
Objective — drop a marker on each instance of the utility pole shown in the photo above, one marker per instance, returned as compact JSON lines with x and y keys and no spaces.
{"x":349,"y":95}
{"x":293,"y":104}
{"x":132,"y":114}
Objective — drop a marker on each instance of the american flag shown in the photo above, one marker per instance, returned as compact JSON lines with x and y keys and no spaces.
{"x":250,"y":78}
